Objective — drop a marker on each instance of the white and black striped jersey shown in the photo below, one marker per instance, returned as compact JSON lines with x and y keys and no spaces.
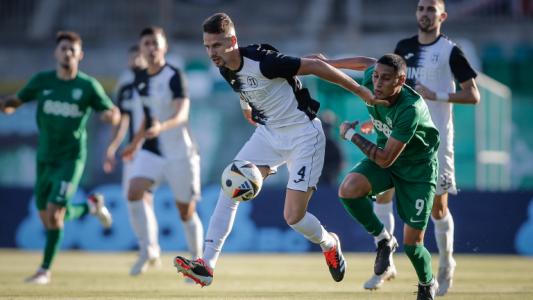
{"x":158,"y":93}
{"x":266,"y":82}
{"x":128,"y":101}
{"x":437,"y":66}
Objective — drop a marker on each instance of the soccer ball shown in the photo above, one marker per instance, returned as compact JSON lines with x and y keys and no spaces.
{"x":241,"y":180}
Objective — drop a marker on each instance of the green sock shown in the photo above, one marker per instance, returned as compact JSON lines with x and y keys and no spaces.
{"x":361,"y":210}
{"x":53,"y":243}
{"x":421,"y":260}
{"x":76,"y":211}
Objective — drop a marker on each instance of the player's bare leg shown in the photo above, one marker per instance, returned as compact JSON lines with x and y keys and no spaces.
{"x":444,"y":232}
{"x":144,"y":224}
{"x":383,"y":208}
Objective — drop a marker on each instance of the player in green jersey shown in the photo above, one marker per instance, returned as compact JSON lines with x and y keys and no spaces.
{"x":65,"y":98}
{"x":404,"y":157}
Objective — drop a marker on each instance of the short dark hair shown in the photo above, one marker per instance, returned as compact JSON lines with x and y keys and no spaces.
{"x":153,"y":30}
{"x":218,"y":23}
{"x":395,"y":61}
{"x":71,"y":36}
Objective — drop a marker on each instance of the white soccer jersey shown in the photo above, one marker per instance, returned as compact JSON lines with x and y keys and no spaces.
{"x":267,"y":82}
{"x":437,"y":66}
{"x":128,"y":101}
{"x":158,"y":93}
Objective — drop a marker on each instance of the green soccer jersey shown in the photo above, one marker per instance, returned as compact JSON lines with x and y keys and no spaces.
{"x":408,"y":121}
{"x":63,"y":108}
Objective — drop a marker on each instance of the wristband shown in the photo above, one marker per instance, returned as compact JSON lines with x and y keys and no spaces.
{"x":349,"y":134}
{"x":442,"y":96}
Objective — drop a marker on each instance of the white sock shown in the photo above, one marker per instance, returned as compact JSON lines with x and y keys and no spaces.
{"x":385,"y":214}
{"x":219,"y":228}
{"x":309,"y":226}
{"x":444,"y":230}
{"x":194,"y":234}
{"x":143,"y":221}
{"x":383,"y":235}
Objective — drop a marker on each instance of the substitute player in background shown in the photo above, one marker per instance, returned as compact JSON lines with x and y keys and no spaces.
{"x":404,"y":157}
{"x":65,"y":98}
{"x":287,"y":131}
{"x":434,"y":62}
{"x":163,"y":149}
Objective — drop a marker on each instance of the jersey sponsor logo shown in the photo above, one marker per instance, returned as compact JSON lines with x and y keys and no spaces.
{"x":415,"y":73}
{"x":63,"y":109}
{"x":252,"y":82}
{"x":77,"y":94}
{"x":380,"y":126}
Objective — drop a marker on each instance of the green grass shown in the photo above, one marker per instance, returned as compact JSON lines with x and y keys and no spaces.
{"x":81,"y":275}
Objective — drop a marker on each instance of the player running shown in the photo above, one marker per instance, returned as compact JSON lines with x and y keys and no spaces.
{"x":434,"y":63}
{"x":287,"y":131}
{"x":65,"y":98}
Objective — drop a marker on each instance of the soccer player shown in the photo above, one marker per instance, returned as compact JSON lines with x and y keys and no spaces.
{"x":65,"y":98}
{"x":405,"y":157}
{"x":164,"y":149}
{"x":272,"y":97}
{"x":434,"y":62}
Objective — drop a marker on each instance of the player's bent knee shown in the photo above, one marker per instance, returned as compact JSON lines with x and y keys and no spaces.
{"x":354,"y":186}
{"x":293,"y":217}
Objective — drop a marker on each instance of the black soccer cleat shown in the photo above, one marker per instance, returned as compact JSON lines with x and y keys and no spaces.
{"x":335,"y":260}
{"x":384,"y":251}
{"x":197,"y":270}
{"x":427,"y":291}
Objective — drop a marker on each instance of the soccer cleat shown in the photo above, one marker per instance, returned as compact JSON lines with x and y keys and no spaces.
{"x":427,"y":291}
{"x":384,"y":252}
{"x":445,"y":278}
{"x":335,"y":260}
{"x":97,"y":207}
{"x":143,"y":263}
{"x":41,"y":277}
{"x":376,"y":281}
{"x":197,"y":270}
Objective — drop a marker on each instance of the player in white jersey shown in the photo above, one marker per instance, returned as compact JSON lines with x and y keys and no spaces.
{"x":287,"y":132}
{"x":163,"y":149}
{"x":434,"y":62}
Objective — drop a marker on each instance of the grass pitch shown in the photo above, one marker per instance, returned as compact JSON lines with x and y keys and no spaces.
{"x":81,"y":275}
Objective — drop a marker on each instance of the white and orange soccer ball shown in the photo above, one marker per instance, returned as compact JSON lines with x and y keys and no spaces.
{"x":241,"y":180}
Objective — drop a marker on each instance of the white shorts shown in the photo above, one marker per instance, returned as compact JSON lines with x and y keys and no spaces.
{"x":181,"y":174}
{"x":300,"y":146}
{"x":446,"y":177}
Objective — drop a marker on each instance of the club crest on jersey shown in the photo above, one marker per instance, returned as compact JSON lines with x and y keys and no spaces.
{"x":252,"y":82}
{"x":435,"y":58}
{"x":76,"y":94}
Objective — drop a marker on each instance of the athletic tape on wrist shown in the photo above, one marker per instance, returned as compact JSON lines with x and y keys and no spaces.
{"x":349,"y":134}
{"x":443,"y":97}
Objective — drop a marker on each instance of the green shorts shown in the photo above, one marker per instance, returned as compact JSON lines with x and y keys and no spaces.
{"x":57,"y":181}
{"x":414,"y":200}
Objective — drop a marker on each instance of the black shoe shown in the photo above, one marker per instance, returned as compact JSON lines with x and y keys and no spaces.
{"x":384,"y":251}
{"x":427,"y":291}
{"x":335,"y":260}
{"x":196,"y":270}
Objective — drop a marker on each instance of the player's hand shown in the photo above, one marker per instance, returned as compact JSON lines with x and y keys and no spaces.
{"x":370,"y":99}
{"x":109,"y":162}
{"x":367,"y":127}
{"x":345,"y":126}
{"x":6,"y":109}
{"x":153,"y":131}
{"x":129,"y":151}
{"x":425,"y":92}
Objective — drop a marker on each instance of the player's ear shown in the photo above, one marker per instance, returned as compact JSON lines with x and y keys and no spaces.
{"x":233,"y":40}
{"x":401,"y":79}
{"x":81,"y":55}
{"x":443,"y":16}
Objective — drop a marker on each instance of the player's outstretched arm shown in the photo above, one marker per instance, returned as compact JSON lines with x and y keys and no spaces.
{"x":111,"y":116}
{"x":383,"y":157}
{"x":9,"y":104}
{"x":357,"y":63}
{"x":119,"y":132}
{"x":327,"y":72}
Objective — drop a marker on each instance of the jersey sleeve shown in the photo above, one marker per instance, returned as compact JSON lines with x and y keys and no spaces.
{"x":178,"y":86}
{"x":30,"y":90}
{"x":100,"y":101}
{"x":461,"y":69}
{"x":406,"y":124}
{"x":276,"y":65}
{"x":124,"y":93}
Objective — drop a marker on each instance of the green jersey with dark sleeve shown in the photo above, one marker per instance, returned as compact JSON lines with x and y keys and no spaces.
{"x":63,"y":108}
{"x":408,"y":121}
